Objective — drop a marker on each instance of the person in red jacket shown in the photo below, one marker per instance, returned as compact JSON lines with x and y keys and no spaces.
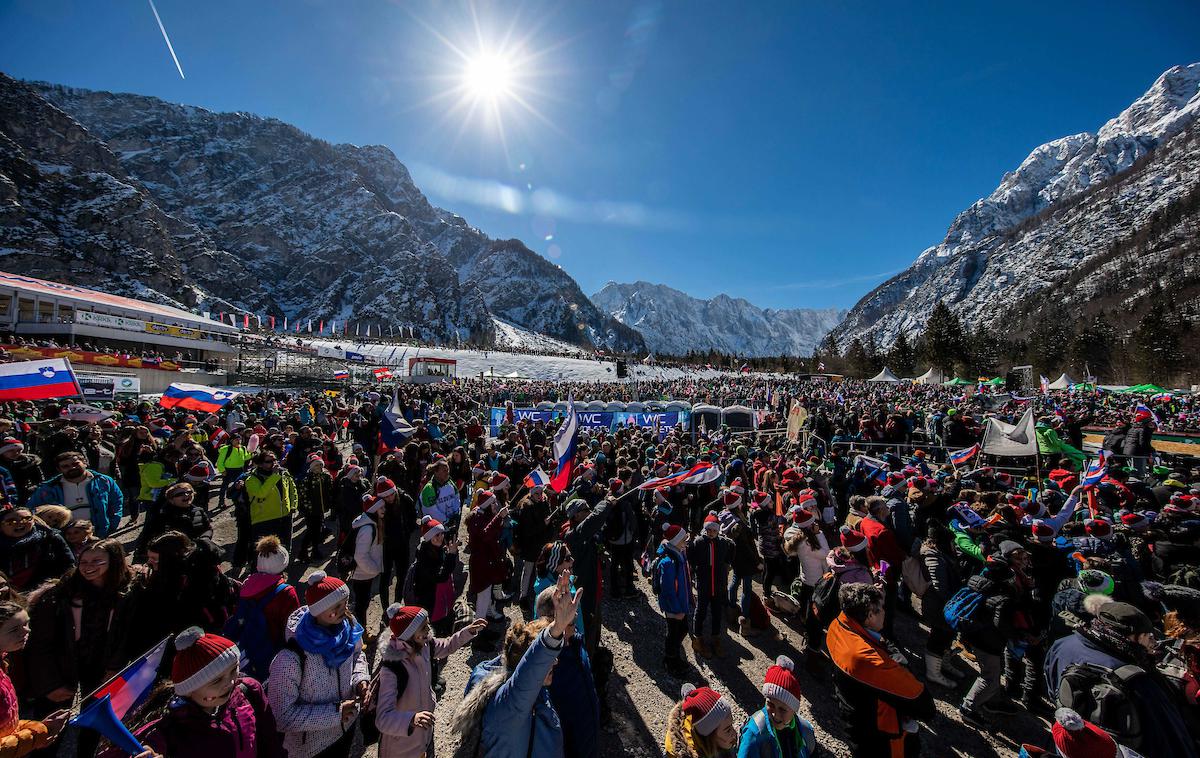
{"x":486,"y":566}
{"x":883,"y":551}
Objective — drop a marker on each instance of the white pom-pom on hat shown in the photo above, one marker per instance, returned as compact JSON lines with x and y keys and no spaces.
{"x":686,"y":689}
{"x":1069,"y":719}
{"x":666,"y":526}
{"x":392,"y":610}
{"x":784,"y":662}
{"x":316,"y":577}
{"x":188,"y":637}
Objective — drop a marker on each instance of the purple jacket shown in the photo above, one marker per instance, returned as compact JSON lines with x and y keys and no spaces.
{"x":244,"y":728}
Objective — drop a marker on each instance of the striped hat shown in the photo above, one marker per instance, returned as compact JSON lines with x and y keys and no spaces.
{"x":712,"y":520}
{"x":324,"y":592}
{"x":675,"y":534}
{"x":384,"y":487}
{"x":199,"y":658}
{"x":781,"y":684}
{"x":853,"y":541}
{"x":706,"y":706}
{"x":803,"y":517}
{"x":405,"y":620}
{"x":430,"y":528}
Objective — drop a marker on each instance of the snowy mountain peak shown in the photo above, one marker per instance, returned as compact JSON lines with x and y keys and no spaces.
{"x":675,"y":323}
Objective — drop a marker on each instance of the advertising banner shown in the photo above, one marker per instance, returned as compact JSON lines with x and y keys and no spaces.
{"x":112,"y":322}
{"x":97,"y":387}
{"x":664,"y":420}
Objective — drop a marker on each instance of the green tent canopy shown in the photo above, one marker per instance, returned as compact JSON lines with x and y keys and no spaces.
{"x":997,"y":382}
{"x":956,"y":382}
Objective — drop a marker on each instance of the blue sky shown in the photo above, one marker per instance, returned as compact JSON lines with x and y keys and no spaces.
{"x":792,"y":153}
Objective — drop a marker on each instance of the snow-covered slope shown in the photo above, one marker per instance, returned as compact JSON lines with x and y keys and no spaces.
{"x":229,"y":211}
{"x":674,"y":323}
{"x":961,"y":271}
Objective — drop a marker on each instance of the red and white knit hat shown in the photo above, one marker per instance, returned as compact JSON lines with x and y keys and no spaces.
{"x":1076,"y":738}
{"x":384,"y":487}
{"x":615,"y":486}
{"x":712,"y":521}
{"x":707,"y":707}
{"x":324,"y":592}
{"x":781,"y":684}
{"x":406,"y":620}
{"x":1135,"y":521}
{"x":372,"y":504}
{"x":737,"y":486}
{"x":675,"y":534}
{"x":731,"y":498}
{"x":197,"y":473}
{"x":199,"y":658}
{"x":1098,"y":528}
{"x":430,"y":528}
{"x":803,"y":518}
{"x":10,"y":443}
{"x":315,"y":458}
{"x":484,"y":499}
{"x":499,"y":482}
{"x":1042,"y":532}
{"x":852,"y":540}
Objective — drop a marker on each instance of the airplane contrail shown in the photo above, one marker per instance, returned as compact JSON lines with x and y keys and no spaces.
{"x":163,"y":29}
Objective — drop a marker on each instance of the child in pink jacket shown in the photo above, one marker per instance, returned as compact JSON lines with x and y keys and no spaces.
{"x":404,"y":714}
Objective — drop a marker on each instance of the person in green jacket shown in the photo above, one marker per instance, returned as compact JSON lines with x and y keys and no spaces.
{"x":272,"y":498}
{"x":155,"y":474}
{"x":231,"y":462}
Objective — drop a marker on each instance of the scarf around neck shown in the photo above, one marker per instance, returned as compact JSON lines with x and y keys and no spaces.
{"x":333,"y":644}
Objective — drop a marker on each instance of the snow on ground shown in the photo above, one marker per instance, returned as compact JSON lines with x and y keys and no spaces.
{"x":513,"y":336}
{"x":476,"y":362}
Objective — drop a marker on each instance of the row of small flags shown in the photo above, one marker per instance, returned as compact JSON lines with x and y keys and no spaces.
{"x":300,"y":325}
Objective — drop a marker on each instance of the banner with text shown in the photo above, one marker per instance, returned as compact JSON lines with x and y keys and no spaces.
{"x":664,"y":420}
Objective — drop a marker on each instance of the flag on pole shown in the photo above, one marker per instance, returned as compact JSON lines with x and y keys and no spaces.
{"x":285,"y":322}
{"x":381,"y":373}
{"x":119,"y":696}
{"x":1096,"y":470}
{"x":873,"y":468}
{"x":38,"y":380}
{"x":1045,"y":384}
{"x":959,"y":457}
{"x":564,"y":449}
{"x":394,"y":429}
{"x":537,"y":478}
{"x":341,"y":375}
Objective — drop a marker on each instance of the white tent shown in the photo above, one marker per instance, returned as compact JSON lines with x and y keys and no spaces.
{"x":1000,"y":438}
{"x":932,"y":376}
{"x":885,"y":376}
{"x":1061,"y":383}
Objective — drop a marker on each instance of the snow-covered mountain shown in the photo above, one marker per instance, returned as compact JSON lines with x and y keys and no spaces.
{"x":674,"y":323}
{"x":1061,"y":214}
{"x":225,"y":211}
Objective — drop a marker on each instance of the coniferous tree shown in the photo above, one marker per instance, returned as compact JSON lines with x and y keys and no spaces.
{"x":902,"y":358}
{"x":943,"y":344}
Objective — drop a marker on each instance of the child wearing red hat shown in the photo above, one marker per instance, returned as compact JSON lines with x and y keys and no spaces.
{"x":700,"y":725}
{"x":216,"y":710}
{"x":406,"y":702}
{"x":778,"y":724}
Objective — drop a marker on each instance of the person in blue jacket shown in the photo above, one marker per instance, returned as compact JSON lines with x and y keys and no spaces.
{"x":776,"y":730}
{"x":91,"y":494}
{"x":507,"y":712}
{"x":673,"y":584}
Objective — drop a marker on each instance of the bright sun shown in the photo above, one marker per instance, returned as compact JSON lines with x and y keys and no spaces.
{"x":488,"y":77}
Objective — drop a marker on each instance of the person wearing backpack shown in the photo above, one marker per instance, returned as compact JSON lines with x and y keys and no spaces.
{"x":671,"y":580}
{"x":880,"y":701}
{"x":710,"y":558}
{"x":805,"y":541}
{"x":405,"y":703}
{"x":776,"y":730}
{"x":366,"y":535}
{"x":266,"y":600}
{"x":319,"y":680}
{"x":1113,"y":656}
{"x":983,"y":621}
{"x":215,"y":711}
{"x":506,"y":712}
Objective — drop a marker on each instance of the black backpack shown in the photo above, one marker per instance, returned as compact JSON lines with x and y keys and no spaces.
{"x":346,"y":562}
{"x":825,"y":601}
{"x":1104,"y":697}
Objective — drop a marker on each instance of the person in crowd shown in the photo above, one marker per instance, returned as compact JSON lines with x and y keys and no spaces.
{"x":89,"y":494}
{"x":532,"y":531}
{"x":265,"y":602}
{"x":506,"y":712}
{"x":367,"y":533}
{"x":700,"y":726}
{"x":271,"y":493}
{"x":180,"y":513}
{"x":621,"y":535}
{"x":710,"y":558}
{"x":316,"y":498}
{"x":20,"y":736}
{"x":319,"y":680}
{"x":880,"y":701}
{"x":487,"y":568}
{"x":399,"y":522}
{"x":805,"y":541}
{"x":155,"y":606}
{"x":941,"y":571}
{"x":987,"y":630}
{"x":79,"y":536}
{"x":25,"y":468}
{"x":432,"y":573}
{"x":673,"y":585}
{"x":352,"y":488}
{"x":215,"y":710}
{"x":31,"y":552}
{"x":439,"y":497}
{"x":210,"y":596}
{"x":406,"y":700}
{"x":156,"y":472}
{"x":776,"y":730}
{"x":232,"y":460}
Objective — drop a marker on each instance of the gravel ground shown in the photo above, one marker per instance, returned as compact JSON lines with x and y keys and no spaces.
{"x":642,"y":693}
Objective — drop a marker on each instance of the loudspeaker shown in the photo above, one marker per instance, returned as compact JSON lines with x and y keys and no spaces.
{"x":622,"y":368}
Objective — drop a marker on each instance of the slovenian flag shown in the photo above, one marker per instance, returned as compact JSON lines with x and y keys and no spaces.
{"x":119,"y":696}
{"x":537,"y":478}
{"x":1096,"y":470}
{"x":564,"y":449}
{"x":341,"y":376}
{"x":196,"y":397}
{"x":38,"y":380}
{"x":959,"y":457}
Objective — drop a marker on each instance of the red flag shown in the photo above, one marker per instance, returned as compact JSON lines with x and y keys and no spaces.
{"x":272,"y":323}
{"x":245,"y":320}
{"x":321,"y":327}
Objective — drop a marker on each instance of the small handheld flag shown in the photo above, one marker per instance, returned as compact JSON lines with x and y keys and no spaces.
{"x":38,"y":380}
{"x":537,"y":478}
{"x":959,"y":457}
{"x":119,"y":696}
{"x":1096,"y":470}
{"x":564,"y":449}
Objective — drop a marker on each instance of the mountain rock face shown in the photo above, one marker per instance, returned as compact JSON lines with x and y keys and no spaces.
{"x":1056,"y":217}
{"x":229,"y":211}
{"x":675,"y":323}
